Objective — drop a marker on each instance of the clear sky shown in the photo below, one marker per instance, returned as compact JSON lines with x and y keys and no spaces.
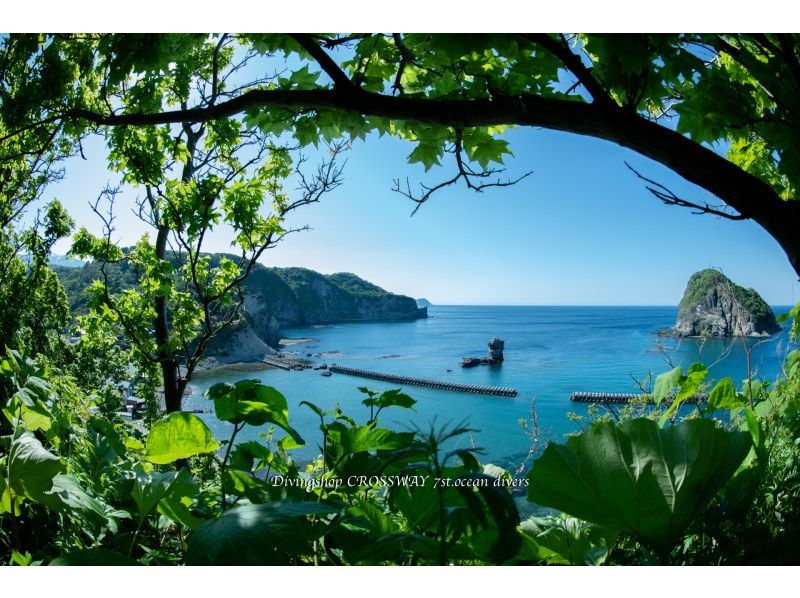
{"x":581,"y":230}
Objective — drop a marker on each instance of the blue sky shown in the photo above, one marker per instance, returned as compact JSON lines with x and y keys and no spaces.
{"x":581,"y":230}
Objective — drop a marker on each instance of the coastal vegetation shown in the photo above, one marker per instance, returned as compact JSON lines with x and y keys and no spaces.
{"x":274,"y":298}
{"x":663,"y":481}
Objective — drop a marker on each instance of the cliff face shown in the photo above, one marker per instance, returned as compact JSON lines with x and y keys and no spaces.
{"x":274,"y":298}
{"x":296,"y":297}
{"x":237,"y":344}
{"x":714,"y":306}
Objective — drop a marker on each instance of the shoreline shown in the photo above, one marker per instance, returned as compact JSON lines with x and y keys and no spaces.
{"x":288,"y":342}
{"x":237,"y":366}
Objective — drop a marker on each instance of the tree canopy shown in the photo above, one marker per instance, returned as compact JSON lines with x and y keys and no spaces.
{"x":720,"y":110}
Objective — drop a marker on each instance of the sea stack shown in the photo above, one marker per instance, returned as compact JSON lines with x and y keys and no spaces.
{"x":494,"y":355}
{"x":714,"y":306}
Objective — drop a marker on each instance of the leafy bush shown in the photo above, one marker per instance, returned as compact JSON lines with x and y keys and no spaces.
{"x":80,"y":486}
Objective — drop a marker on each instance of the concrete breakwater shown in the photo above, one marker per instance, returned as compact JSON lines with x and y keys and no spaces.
{"x":620,"y":397}
{"x":284,"y":364}
{"x":500,"y":391}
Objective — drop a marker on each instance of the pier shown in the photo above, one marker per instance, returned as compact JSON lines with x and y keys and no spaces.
{"x":284,"y":364}
{"x":480,"y":389}
{"x":615,"y":398}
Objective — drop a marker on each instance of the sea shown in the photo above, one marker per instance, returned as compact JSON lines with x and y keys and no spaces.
{"x":550,"y":352}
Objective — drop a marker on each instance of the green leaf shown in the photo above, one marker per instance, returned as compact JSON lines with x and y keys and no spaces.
{"x":268,"y":534}
{"x":33,"y":417}
{"x":67,"y":495}
{"x":253,"y":403}
{"x":689,"y":385}
{"x":483,"y":148}
{"x":498,"y":540}
{"x":178,"y":436}
{"x":428,"y":152}
{"x":303,"y":78}
{"x":31,"y":467}
{"x":723,"y":396}
{"x":563,"y":540}
{"x":366,"y":438}
{"x":390,"y":398}
{"x":173,"y":508}
{"x":638,"y":478}
{"x":753,"y":426}
{"x":20,"y":559}
{"x":241,"y":483}
{"x":665,"y":384}
{"x":151,"y":489}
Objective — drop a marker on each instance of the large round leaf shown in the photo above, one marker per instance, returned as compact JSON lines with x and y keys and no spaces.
{"x":31,"y":467}
{"x":638,"y":478}
{"x":266,"y":534}
{"x":253,"y":403}
{"x":178,"y":436}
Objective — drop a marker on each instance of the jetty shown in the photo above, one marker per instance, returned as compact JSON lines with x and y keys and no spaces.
{"x":614,"y":398}
{"x":480,"y":389}
{"x":284,"y":364}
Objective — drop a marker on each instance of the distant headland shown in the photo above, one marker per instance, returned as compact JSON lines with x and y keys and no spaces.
{"x":274,"y":299}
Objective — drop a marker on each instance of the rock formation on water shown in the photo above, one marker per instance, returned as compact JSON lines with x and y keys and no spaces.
{"x":493,"y":356}
{"x":714,"y":306}
{"x":274,"y":298}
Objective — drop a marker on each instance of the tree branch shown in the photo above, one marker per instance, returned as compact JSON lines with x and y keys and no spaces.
{"x":471,"y":177}
{"x":326,"y":63}
{"x":669,"y":198}
{"x":746,"y":193}
{"x":573,"y":63}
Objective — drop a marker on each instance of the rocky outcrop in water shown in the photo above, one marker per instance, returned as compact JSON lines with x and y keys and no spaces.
{"x":493,"y":356}
{"x":496,"y":347}
{"x":715,"y":306}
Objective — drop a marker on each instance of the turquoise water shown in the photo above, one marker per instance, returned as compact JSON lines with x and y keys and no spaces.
{"x":550,"y":352}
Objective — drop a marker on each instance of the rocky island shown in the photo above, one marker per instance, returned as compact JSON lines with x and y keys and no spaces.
{"x":715,"y":306}
{"x":494,"y":355}
{"x":274,"y":299}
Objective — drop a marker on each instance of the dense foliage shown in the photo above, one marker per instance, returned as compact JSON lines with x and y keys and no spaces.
{"x":82,"y":486}
{"x":206,"y":143}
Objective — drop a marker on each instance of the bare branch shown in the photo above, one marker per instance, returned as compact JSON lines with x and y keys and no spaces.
{"x":669,"y":198}
{"x":473,"y":179}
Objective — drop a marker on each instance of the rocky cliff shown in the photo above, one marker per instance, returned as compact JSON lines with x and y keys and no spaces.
{"x":274,"y":298}
{"x":238,"y":344}
{"x":302,"y":297}
{"x":715,"y":306}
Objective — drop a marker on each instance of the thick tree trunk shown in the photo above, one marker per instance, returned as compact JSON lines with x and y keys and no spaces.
{"x":174,"y":384}
{"x":170,"y":369}
{"x":172,"y":391}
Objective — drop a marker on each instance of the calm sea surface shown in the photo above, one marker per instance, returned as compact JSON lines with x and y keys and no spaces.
{"x":550,"y":352}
